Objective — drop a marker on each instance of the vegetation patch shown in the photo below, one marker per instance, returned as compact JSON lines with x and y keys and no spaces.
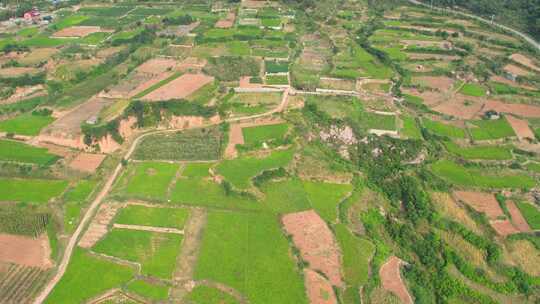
{"x":531,"y":214}
{"x":491,"y":129}
{"x":30,"y":190}
{"x":14,"y":151}
{"x":207,"y":295}
{"x":25,"y":124}
{"x":147,"y":180}
{"x":149,"y":216}
{"x":472,"y":89}
{"x":480,"y":152}
{"x":149,"y":291}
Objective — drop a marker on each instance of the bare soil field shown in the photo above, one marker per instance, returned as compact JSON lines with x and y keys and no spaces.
{"x":524,"y":110}
{"x":451,"y":208}
{"x":181,"y":87}
{"x":435,"y":82}
{"x":517,"y":218}
{"x":481,"y":202}
{"x":227,"y":22}
{"x":246,"y":84}
{"x":337,"y":84}
{"x":87,"y":162}
{"x":108,"y":52}
{"x":99,"y":226}
{"x":135,"y":84}
{"x":38,"y":55}
{"x":523,"y":254}
{"x":23,"y":250}
{"x":316,"y":243}
{"x":319,"y":290}
{"x":192,"y":64}
{"x":157,"y":66}
{"x":420,"y":56}
{"x":78,"y":31}
{"x":23,"y":93}
{"x":17,"y":71}
{"x":427,"y":43}
{"x":503,"y":227}
{"x":521,"y":128}
{"x":391,"y":279}
{"x":526,"y":61}
{"x":460,"y":106}
{"x":515,"y":70}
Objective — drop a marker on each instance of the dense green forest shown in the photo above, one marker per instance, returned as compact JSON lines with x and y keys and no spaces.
{"x":520,"y":14}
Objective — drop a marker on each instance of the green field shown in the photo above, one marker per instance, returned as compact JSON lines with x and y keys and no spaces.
{"x":25,"y":124}
{"x":30,"y":190}
{"x":410,"y":128}
{"x":75,"y":199}
{"x":196,"y":144}
{"x":14,"y":151}
{"x":250,"y":253}
{"x":530,"y":213}
{"x":379,"y":121}
{"x":256,"y":136}
{"x":195,"y":180}
{"x":490,"y":129}
{"x":208,"y":295}
{"x":239,"y":171}
{"x":68,"y":22}
{"x":472,"y":89}
{"x":472,"y":177}
{"x":480,"y":152}
{"x":357,"y":254}
{"x":325,"y":197}
{"x":156,"y":217}
{"x":441,"y":129}
{"x":285,"y":196}
{"x":88,"y":276}
{"x":114,"y":11}
{"x":149,"y":291}
{"x":155,"y":251}
{"x":147,"y":180}
{"x":277,"y":79}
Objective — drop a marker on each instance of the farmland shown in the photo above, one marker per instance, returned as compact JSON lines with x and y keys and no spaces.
{"x":237,"y":152}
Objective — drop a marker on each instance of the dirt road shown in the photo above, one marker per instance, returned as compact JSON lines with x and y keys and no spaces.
{"x":107,"y":187}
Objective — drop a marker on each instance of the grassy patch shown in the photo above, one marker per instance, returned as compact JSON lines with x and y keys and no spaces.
{"x":157,"y":217}
{"x":255,"y":136}
{"x":473,"y":177}
{"x":19,"y":152}
{"x":490,"y":129}
{"x":357,"y":254}
{"x":325,"y":197}
{"x":25,"y":124}
{"x":155,"y":251}
{"x":379,"y":121}
{"x":249,"y":253}
{"x":472,"y":89}
{"x":86,"y":277}
{"x":276,"y":66}
{"x":75,"y":200}
{"x":285,"y":196}
{"x":208,"y":295}
{"x":410,"y":128}
{"x":149,"y":291}
{"x":277,"y":79}
{"x":68,"y":21}
{"x":30,"y":190}
{"x":239,"y":171}
{"x":442,"y":129}
{"x":531,"y":214}
{"x":480,"y":152}
{"x":147,"y":180}
{"x":196,"y":144}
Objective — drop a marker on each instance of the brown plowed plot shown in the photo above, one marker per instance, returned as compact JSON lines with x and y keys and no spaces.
{"x":526,"y":61}
{"x":391,"y":280}
{"x":226,"y":23}
{"x":517,"y":218}
{"x":503,"y":227}
{"x":23,"y":250}
{"x":17,"y":71}
{"x":521,"y":127}
{"x":38,"y":55}
{"x":524,"y":110}
{"x":157,"y":66}
{"x":135,"y":84}
{"x":316,"y":243}
{"x":98,"y":227}
{"x":426,"y":43}
{"x":319,"y":290}
{"x":23,"y":93}
{"x":181,"y":87}
{"x":435,"y":82}
{"x":87,"y":162}
{"x":192,"y":63}
{"x":337,"y":84}
{"x":77,"y":31}
{"x":246,"y":84}
{"x":514,"y":69}
{"x":69,"y":125}
{"x":419,"y":56}
{"x":481,"y":202}
{"x":463,"y":107}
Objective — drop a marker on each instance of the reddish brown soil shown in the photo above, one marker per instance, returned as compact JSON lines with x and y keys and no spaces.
{"x":78,"y":31}
{"x":481,"y":202}
{"x":17,"y":71}
{"x":517,"y":218}
{"x":181,"y":87}
{"x":147,"y":84}
{"x":514,"y":69}
{"x":503,"y":227}
{"x":25,"y":250}
{"x":391,"y":280}
{"x":436,"y":82}
{"x":226,"y":23}
{"x":418,"y":56}
{"x":526,"y":61}
{"x":524,"y":110}
{"x":87,"y":162}
{"x":23,"y":93}
{"x":157,"y":66}
{"x":463,"y":107}
{"x":245,"y":84}
{"x":192,"y":64}
{"x":98,"y":227}
{"x":319,"y":290}
{"x":521,"y":127}
{"x":316,"y":243}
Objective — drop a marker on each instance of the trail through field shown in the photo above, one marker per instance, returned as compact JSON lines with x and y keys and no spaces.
{"x":107,"y":187}
{"x":149,"y":228}
{"x":187,"y":259}
{"x":226,"y":289}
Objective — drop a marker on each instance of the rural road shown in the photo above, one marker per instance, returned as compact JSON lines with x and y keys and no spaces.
{"x":526,"y":37}
{"x":99,"y":198}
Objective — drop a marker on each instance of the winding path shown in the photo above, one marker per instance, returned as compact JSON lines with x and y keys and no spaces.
{"x":106,"y":188}
{"x":526,"y":37}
